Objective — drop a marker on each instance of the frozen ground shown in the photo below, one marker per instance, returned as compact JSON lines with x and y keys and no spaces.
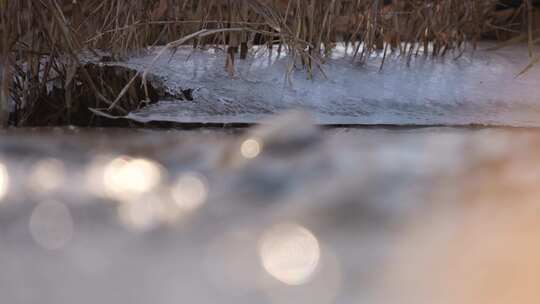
{"x":478,"y":88}
{"x":284,"y":213}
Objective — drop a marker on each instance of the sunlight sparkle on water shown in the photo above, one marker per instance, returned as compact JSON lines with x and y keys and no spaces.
{"x":251,"y":148}
{"x":150,"y":211}
{"x":4,"y":181}
{"x":47,"y":175}
{"x":126,"y":178}
{"x":190,"y":191}
{"x":290,"y":253}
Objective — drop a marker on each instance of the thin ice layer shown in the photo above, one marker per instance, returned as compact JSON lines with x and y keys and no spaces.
{"x":478,"y":88}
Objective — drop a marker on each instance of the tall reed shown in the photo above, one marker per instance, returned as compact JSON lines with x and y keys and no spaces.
{"x":40,"y":40}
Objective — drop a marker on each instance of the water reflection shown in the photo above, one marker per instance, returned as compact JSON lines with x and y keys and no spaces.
{"x":231,"y":262}
{"x":126,"y":178}
{"x":190,"y":191}
{"x":95,"y":175}
{"x":48,"y":175}
{"x":290,"y":253}
{"x":139,"y":185}
{"x":4,"y":181}
{"x":51,"y":225}
{"x":149,"y":211}
{"x":486,"y":253}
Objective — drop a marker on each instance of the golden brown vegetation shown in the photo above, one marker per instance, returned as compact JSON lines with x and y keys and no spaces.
{"x":40,"y":40}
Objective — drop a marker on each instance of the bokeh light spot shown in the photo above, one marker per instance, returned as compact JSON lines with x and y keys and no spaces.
{"x":4,"y":181}
{"x":51,"y":225}
{"x":290,"y":253}
{"x":126,"y":178}
{"x":48,"y":175}
{"x":251,"y":148}
{"x":190,"y":191}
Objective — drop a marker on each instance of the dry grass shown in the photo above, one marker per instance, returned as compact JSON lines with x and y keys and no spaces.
{"x":40,"y":39}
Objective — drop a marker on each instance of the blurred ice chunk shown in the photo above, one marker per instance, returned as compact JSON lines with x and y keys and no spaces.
{"x":127,"y":178}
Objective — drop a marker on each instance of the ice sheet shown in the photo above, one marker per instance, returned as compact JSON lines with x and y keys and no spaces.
{"x":480,"y":87}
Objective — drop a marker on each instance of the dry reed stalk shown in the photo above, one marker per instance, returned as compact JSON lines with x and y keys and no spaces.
{"x":40,"y":40}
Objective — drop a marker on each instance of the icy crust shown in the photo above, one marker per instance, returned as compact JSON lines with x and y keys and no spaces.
{"x":479,"y":87}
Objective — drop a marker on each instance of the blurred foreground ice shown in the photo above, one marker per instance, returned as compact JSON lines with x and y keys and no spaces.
{"x":282,"y":213}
